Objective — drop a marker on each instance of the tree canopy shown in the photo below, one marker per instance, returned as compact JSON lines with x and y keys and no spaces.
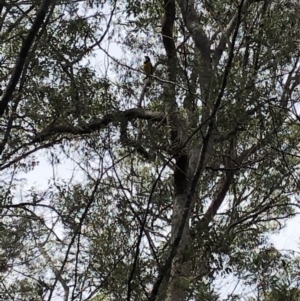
{"x":156,"y":188}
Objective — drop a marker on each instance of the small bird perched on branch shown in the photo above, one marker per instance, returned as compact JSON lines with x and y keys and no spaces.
{"x":148,"y":68}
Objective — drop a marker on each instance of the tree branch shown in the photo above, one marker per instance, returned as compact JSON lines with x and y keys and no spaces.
{"x":56,"y":272}
{"x":24,"y":51}
{"x":116,"y":117}
{"x":191,"y":19}
{"x":167,"y":28}
{"x":219,"y":196}
{"x":227,"y":33}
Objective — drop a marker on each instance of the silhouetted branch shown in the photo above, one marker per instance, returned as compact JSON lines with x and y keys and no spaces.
{"x":117,"y":117}
{"x":24,"y":51}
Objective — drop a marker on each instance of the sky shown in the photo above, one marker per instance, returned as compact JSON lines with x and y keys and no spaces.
{"x":286,"y":239}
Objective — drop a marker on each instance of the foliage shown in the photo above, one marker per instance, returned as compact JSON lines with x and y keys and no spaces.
{"x":147,"y":189}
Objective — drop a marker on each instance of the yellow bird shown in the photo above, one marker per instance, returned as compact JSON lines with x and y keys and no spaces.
{"x":148,"y":68}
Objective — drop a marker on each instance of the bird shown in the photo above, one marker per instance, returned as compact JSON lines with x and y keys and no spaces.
{"x":148,"y":68}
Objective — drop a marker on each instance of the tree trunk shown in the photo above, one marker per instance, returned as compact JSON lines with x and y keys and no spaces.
{"x":180,"y":269}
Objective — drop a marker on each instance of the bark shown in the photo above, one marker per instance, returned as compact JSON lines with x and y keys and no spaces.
{"x":180,"y":269}
{"x":186,"y":186}
{"x":202,"y":43}
{"x":178,"y":264}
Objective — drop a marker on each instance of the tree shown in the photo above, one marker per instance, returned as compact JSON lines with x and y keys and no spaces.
{"x":174,"y":183}
{"x":276,"y":275}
